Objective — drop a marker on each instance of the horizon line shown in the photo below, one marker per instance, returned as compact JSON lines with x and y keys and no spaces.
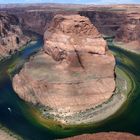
{"x":28,"y":3}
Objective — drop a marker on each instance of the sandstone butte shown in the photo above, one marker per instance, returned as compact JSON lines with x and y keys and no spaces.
{"x":11,"y":35}
{"x":74,"y":72}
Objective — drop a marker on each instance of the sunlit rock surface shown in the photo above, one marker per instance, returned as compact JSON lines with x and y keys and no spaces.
{"x":74,"y":72}
{"x":11,"y":35}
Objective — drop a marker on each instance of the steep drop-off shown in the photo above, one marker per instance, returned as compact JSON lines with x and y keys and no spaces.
{"x":120,"y":21}
{"x":11,"y":35}
{"x":122,"y":24}
{"x":37,"y":21}
{"x":106,"y":22}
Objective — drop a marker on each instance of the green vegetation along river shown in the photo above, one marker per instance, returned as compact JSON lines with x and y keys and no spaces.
{"x":22,"y":118}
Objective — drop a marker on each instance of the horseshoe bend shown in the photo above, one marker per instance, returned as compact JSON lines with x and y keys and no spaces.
{"x":68,"y":70}
{"x":73,"y":73}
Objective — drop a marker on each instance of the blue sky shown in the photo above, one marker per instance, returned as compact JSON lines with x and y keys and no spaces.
{"x":72,"y":1}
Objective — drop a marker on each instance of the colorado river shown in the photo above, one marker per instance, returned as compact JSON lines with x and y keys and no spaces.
{"x":19,"y":116}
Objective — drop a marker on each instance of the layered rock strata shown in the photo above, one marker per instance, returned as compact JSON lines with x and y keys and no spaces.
{"x":74,"y":72}
{"x":122,"y":23}
{"x":11,"y":35}
{"x":106,"y":22}
{"x":128,"y":36}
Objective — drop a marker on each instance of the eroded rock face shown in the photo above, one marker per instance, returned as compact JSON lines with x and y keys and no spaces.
{"x":11,"y":36}
{"x":110,"y":20}
{"x":72,"y":34}
{"x":107,"y":22}
{"x":75,"y":71}
{"x":36,"y":21}
{"x":123,"y":25}
{"x":128,"y":33}
{"x":105,"y":136}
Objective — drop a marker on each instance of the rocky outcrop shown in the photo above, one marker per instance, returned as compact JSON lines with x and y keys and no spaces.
{"x":75,"y":73}
{"x":36,"y":21}
{"x":11,"y":36}
{"x":73,"y":34}
{"x":119,"y":21}
{"x":129,"y":31}
{"x":105,"y":21}
{"x":105,"y":136}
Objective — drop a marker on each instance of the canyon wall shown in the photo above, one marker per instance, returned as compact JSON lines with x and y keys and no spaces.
{"x":11,"y":35}
{"x":122,"y":21}
{"x":123,"y":25}
{"x":106,"y":22}
{"x":36,"y":21}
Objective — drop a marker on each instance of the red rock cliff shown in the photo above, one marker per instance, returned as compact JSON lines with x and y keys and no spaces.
{"x":11,"y":36}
